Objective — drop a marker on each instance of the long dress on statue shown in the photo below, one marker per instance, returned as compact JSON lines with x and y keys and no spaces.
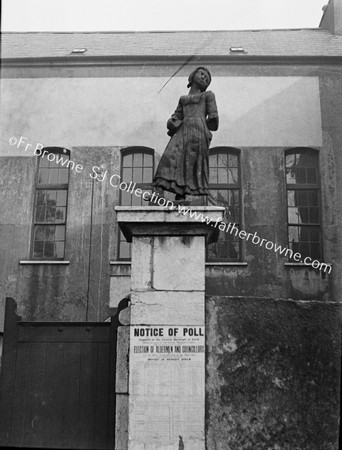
{"x":184,"y":166}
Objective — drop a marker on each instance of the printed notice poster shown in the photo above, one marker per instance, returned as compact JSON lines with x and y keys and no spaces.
{"x":167,"y":383}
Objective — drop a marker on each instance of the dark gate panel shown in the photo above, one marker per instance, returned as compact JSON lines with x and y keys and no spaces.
{"x":57,"y":384}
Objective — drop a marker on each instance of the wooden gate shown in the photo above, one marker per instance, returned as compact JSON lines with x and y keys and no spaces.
{"x":57,"y":384}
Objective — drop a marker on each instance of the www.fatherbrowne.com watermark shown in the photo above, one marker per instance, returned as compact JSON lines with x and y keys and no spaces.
{"x":115,"y":181}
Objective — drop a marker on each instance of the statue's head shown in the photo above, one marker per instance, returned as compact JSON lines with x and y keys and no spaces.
{"x":198,"y":73}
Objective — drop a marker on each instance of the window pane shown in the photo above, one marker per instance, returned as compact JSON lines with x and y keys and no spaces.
{"x":222,"y":160}
{"x":293,"y":215}
{"x":39,"y":233}
{"x":126,"y":198}
{"x":136,"y":201}
{"x":49,"y":233}
{"x":60,"y":214}
{"x":302,"y":168}
{"x":213,"y":160}
{"x":51,"y":197}
{"x":233,"y":160}
{"x":144,"y":202}
{"x":233,"y":176}
{"x":314,"y":215}
{"x":50,"y":214}
{"x":304,"y":249}
{"x":303,"y":215}
{"x":40,"y":214}
{"x":315,"y":235}
{"x":127,"y":161}
{"x":315,"y":251}
{"x":49,"y":250}
{"x":43,"y":176}
{"x":43,"y":162}
{"x":293,"y":234}
{"x":137,"y":175}
{"x":137,"y":160}
{"x":127,"y":175}
{"x":301,"y":176}
{"x":291,"y":198}
{"x":222,"y":176}
{"x":63,"y":176}
{"x":148,"y":160}
{"x":38,"y":249}
{"x":313,"y":198}
{"x":61,"y":198}
{"x":302,"y":198}
{"x":59,"y":250}
{"x":148,"y":175}
{"x":312,"y":176}
{"x":213,"y":175}
{"x":60,"y":233}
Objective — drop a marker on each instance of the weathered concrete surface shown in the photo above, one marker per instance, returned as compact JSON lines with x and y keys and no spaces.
{"x":80,"y":289}
{"x":264,"y":212}
{"x":175,"y":252}
{"x":168,"y":307}
{"x":273,"y":374}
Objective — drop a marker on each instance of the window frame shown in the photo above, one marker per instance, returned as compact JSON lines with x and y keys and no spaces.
{"x":49,"y":187}
{"x":228,"y":187}
{"x":301,"y":187}
{"x":143,"y":185}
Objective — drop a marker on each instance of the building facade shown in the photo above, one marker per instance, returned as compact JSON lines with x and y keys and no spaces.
{"x":83,"y":112}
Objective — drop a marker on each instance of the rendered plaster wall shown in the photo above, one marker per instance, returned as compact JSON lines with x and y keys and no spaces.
{"x":273,"y":374}
{"x":121,"y":111}
{"x":263,"y":111}
{"x":264,"y":212}
{"x":76,"y":290}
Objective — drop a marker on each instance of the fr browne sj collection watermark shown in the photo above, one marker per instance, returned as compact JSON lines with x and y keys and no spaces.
{"x":97,"y":173}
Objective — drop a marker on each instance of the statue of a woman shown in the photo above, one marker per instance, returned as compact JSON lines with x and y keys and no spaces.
{"x":184,"y":166}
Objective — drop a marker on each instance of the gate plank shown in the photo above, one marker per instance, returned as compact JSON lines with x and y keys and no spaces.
{"x":34,"y":395}
{"x":70,"y":396}
{"x":104,"y":384}
{"x":52,"y":395}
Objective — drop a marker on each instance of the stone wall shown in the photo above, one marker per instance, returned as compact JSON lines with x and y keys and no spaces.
{"x":273,"y":374}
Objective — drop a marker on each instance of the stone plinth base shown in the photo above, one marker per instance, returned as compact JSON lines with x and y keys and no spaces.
{"x":167,"y":338}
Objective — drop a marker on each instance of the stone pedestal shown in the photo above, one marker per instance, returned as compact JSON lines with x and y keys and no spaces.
{"x":167,"y":338}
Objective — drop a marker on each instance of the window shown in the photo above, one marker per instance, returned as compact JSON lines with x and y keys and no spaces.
{"x":303,"y":202}
{"x":137,"y":165}
{"x":225,"y":190}
{"x":50,"y":204}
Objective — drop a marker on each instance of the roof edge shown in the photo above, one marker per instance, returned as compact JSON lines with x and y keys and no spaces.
{"x":84,"y":61}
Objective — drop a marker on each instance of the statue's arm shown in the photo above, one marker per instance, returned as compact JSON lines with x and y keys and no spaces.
{"x":212,"y":114}
{"x":175,"y":120}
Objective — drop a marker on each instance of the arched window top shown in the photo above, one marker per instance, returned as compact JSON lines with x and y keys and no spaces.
{"x":137,"y":165}
{"x":63,"y":150}
{"x":223,"y":149}
{"x":224,"y":167}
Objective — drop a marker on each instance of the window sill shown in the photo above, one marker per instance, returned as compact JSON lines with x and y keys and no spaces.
{"x":44,"y":261}
{"x":117,"y":263}
{"x":232,"y":263}
{"x":300,"y":264}
{"x":241,"y":264}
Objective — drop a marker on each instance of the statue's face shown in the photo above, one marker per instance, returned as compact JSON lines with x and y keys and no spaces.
{"x":202,"y":79}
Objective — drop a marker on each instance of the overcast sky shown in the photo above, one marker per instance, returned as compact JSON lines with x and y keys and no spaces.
{"x":154,"y":15}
